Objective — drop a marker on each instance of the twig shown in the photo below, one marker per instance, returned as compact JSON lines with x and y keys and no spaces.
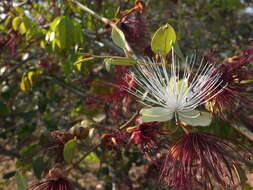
{"x":91,"y":12}
{"x":106,"y":21}
{"x":83,"y":157}
{"x":129,"y":121}
{"x":243,"y":130}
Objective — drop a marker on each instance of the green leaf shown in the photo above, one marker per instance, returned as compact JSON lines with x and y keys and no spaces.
{"x":25,"y":84}
{"x":118,"y":37}
{"x":38,"y":166}
{"x":195,"y":118}
{"x":64,"y":33}
{"x":21,"y":181}
{"x":16,"y":22}
{"x":69,"y":151}
{"x":22,"y":28}
{"x":33,"y":77}
{"x":4,"y":110}
{"x":92,"y":157}
{"x":156,"y":114}
{"x":120,"y":61}
{"x":163,"y":40}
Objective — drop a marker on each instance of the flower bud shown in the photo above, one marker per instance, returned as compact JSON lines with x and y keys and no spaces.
{"x":80,"y":132}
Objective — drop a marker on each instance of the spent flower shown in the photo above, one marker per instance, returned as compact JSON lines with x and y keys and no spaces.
{"x":235,"y":102}
{"x":197,"y":159}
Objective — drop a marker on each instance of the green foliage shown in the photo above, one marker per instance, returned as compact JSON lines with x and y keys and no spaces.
{"x":65,"y":32}
{"x":163,"y":40}
{"x":70,"y":150}
{"x":118,"y":38}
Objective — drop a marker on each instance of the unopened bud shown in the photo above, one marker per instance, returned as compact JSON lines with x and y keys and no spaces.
{"x":79,"y":131}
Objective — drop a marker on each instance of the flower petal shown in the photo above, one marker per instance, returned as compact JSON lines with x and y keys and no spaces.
{"x":156,"y":114}
{"x":195,"y":118}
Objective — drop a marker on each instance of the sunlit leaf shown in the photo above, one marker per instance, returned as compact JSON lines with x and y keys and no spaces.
{"x":163,"y":40}
{"x":16,"y":22}
{"x":92,"y":157}
{"x":25,"y":84}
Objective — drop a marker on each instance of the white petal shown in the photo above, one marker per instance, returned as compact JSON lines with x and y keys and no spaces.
{"x":195,"y":118}
{"x":156,"y":114}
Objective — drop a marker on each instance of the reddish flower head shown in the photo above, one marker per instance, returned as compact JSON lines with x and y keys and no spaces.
{"x":113,"y":141}
{"x":235,"y":102}
{"x":146,"y":136}
{"x":55,"y":180}
{"x":118,"y":98}
{"x":133,"y":24}
{"x":196,"y":160}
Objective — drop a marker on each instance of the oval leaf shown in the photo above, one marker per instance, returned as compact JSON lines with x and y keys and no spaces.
{"x":16,"y":22}
{"x":118,"y":38}
{"x":69,"y":151}
{"x":163,"y":40}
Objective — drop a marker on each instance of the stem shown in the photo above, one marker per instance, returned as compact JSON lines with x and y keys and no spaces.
{"x":243,"y":130}
{"x":106,"y":21}
{"x":83,"y":157}
{"x":91,"y":12}
{"x":129,"y":121}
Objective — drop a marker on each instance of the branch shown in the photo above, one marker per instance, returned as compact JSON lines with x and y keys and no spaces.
{"x":243,"y":130}
{"x":83,"y":157}
{"x":106,"y":22}
{"x":129,"y":121}
{"x":91,"y":12}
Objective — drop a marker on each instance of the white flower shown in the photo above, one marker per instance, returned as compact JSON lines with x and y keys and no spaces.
{"x":175,"y":93}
